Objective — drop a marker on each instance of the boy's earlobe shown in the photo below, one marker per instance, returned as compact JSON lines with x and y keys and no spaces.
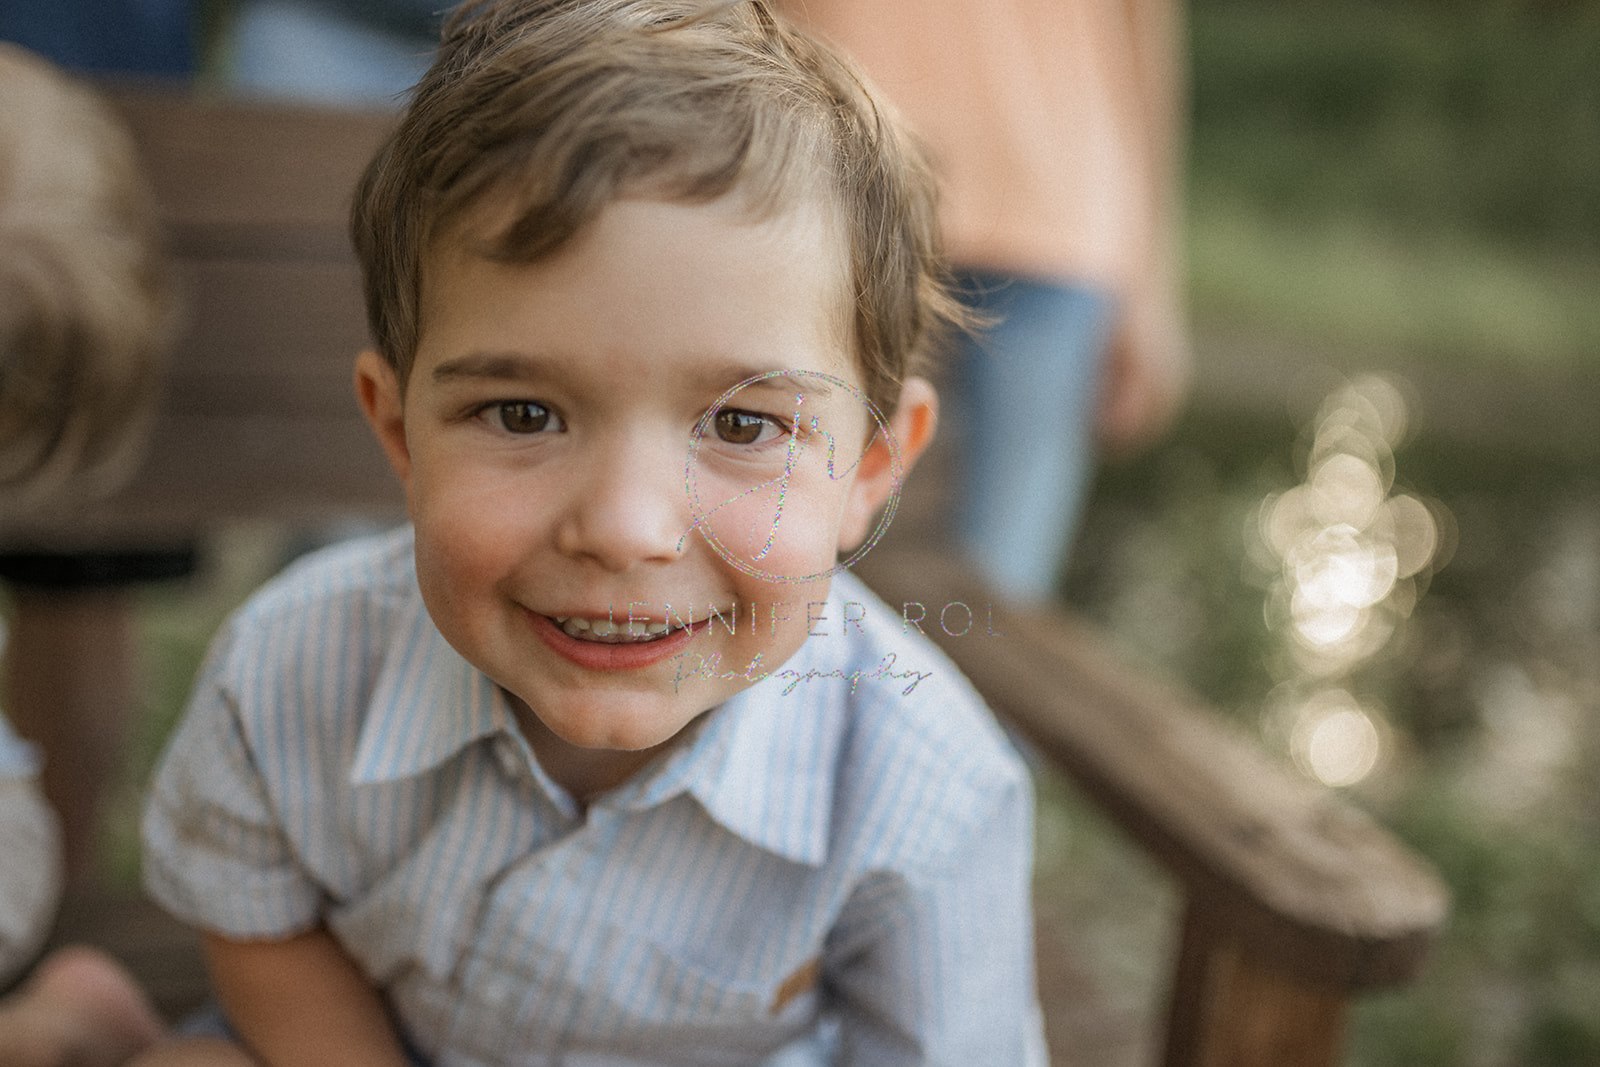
{"x":914,"y":422}
{"x":378,"y":392}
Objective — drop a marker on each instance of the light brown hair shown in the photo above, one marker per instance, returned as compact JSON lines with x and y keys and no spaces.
{"x":85,"y":305}
{"x":555,"y":108}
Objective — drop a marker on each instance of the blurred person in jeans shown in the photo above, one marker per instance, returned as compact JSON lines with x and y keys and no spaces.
{"x":1056,"y":129}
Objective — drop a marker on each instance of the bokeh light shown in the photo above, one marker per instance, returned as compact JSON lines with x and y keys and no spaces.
{"x":1334,"y":739}
{"x":1347,"y":556}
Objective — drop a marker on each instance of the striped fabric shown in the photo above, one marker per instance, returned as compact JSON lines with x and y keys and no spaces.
{"x":30,"y":875}
{"x":30,"y":860}
{"x":814,"y":875}
{"x":18,"y":758}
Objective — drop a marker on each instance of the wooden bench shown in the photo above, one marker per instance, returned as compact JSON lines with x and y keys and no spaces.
{"x":1294,"y":900}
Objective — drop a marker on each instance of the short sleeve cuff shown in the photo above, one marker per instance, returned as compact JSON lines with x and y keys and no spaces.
{"x":220,"y":892}
{"x":18,"y":758}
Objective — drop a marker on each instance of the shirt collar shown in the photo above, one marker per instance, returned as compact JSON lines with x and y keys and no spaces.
{"x":760,"y":764}
{"x":770,"y":775}
{"x":428,"y":704}
{"x":770,"y":781}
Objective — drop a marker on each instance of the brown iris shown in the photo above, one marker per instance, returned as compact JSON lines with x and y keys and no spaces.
{"x":524,"y":416}
{"x":740,"y":427}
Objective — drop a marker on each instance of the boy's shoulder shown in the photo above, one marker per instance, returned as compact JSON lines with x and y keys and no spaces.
{"x":331,"y":614}
{"x":917,"y":696}
{"x":375,"y":569}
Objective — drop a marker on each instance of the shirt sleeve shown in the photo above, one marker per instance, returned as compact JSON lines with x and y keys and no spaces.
{"x":30,"y":875}
{"x":18,"y":758}
{"x":215,"y":852}
{"x":936,"y":967}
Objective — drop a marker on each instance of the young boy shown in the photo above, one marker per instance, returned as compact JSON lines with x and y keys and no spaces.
{"x":606,"y":760}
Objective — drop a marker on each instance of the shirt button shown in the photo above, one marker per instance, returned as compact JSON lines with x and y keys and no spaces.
{"x":499,"y":991}
{"x":510,"y":760}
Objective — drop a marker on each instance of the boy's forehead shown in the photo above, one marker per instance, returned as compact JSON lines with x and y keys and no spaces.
{"x":809,"y":228}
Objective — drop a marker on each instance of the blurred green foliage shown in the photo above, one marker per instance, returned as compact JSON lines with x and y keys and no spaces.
{"x":1481,"y":116}
{"x":1422,"y":175}
{"x":1490,"y":690}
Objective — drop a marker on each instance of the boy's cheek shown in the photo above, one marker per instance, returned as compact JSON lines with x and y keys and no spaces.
{"x":446,"y":493}
{"x":787,"y":534}
{"x":467,"y":531}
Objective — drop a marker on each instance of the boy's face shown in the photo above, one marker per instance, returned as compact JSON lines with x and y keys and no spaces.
{"x":544,"y":439}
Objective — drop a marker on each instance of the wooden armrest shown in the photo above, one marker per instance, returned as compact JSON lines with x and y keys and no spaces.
{"x":1293,"y":893}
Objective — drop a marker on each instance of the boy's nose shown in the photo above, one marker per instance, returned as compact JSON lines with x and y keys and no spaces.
{"x":627,"y":507}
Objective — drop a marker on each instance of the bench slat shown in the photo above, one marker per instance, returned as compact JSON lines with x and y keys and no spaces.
{"x":275,"y":178}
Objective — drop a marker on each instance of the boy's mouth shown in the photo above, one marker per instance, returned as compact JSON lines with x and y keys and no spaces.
{"x":606,"y":644}
{"x":612,"y":632}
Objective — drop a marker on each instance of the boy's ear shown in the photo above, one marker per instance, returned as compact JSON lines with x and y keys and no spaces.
{"x":378,"y":392}
{"x":913,"y":423}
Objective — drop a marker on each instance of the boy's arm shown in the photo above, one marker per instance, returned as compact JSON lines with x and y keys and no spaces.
{"x":937,"y":968}
{"x":302,"y":1001}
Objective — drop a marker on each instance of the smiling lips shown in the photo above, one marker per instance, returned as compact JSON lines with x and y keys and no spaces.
{"x":610,"y":631}
{"x":606,"y":645}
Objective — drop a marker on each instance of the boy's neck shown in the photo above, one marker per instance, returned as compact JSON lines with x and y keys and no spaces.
{"x":585,"y":773}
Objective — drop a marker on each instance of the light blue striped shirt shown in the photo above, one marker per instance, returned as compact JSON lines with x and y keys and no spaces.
{"x":18,"y":758}
{"x":815,"y":874}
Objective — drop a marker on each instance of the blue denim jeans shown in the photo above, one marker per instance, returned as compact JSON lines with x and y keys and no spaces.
{"x":313,"y":50}
{"x":1025,"y":392}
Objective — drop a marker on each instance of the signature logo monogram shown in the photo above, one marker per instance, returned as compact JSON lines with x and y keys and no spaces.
{"x":821,"y":407}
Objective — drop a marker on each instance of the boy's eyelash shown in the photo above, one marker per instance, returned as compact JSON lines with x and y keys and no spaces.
{"x":782,"y":424}
{"x":489,"y":408}
{"x":778,"y":422}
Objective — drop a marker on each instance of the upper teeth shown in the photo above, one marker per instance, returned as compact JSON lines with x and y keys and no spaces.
{"x":610,"y":630}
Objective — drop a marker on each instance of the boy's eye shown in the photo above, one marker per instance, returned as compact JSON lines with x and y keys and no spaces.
{"x":522,"y":416}
{"x":746,"y":427}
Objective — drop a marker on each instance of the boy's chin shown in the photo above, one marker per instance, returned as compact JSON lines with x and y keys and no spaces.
{"x":604,"y":727}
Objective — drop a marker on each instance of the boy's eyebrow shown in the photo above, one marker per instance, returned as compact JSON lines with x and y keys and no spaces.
{"x":498,"y":365}
{"x":723,"y":376}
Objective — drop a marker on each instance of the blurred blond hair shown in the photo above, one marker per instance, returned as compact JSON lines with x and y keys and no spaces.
{"x":85,"y":300}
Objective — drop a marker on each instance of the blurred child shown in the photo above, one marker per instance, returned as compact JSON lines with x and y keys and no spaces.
{"x":606,"y":759}
{"x":84,"y":311}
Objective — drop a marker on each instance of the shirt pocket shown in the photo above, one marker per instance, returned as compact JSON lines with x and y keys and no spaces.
{"x":402,"y":924}
{"x":649,"y":1001}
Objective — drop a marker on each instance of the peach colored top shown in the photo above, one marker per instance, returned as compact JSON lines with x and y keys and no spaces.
{"x":1036,"y":118}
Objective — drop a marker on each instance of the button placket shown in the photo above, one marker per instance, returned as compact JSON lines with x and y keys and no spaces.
{"x":510,"y":760}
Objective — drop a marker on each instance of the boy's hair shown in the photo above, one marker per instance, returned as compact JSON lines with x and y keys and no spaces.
{"x":85,"y":306}
{"x":556,"y":108}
